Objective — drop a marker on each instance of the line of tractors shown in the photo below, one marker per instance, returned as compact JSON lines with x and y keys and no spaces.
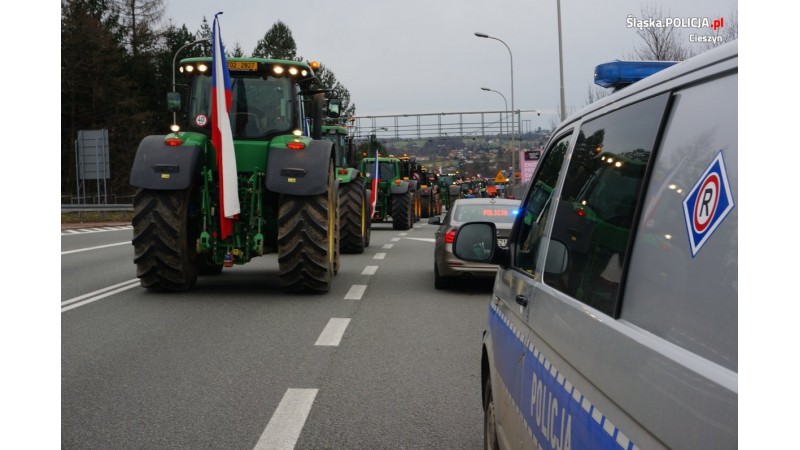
{"x":302,"y":192}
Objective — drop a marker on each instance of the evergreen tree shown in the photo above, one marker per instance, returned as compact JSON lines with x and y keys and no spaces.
{"x":277,"y":43}
{"x":327,"y":79}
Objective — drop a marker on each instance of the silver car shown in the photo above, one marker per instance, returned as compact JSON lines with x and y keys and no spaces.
{"x":501,"y":212}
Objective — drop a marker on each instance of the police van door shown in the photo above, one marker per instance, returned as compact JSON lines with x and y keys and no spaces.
{"x":570,"y":355}
{"x":508,"y":326}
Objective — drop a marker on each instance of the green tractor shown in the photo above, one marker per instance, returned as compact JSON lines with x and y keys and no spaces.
{"x":393,"y":196}
{"x":427,"y":202}
{"x":355,"y":223}
{"x":449,"y":189}
{"x":285,"y":180}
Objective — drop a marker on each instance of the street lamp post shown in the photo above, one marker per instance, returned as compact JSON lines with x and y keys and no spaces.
{"x":513,"y":111}
{"x":561,"y":63}
{"x":174,"y":59}
{"x":504,"y":101}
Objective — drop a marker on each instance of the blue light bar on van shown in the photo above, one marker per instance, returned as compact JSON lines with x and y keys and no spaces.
{"x":619,"y":74}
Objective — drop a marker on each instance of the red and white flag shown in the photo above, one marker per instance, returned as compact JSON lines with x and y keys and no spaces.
{"x":375,"y":181}
{"x":221,"y":134}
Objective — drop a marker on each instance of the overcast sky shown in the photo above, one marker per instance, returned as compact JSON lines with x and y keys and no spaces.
{"x":421,"y":56}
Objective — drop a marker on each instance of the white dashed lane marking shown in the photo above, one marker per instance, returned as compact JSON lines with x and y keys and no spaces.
{"x":332,"y":334}
{"x":369,"y":270}
{"x":388,"y":246}
{"x":379,"y":256}
{"x":288,"y":420}
{"x":356,"y":292}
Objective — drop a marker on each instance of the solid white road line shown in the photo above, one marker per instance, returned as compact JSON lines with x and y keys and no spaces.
{"x":388,"y":245}
{"x":95,"y":248}
{"x":333,"y":332}
{"x":288,"y":420}
{"x":379,"y":256}
{"x":369,"y":270}
{"x":106,"y":293}
{"x":356,"y":292}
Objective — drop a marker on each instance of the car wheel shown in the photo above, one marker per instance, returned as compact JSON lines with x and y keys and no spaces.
{"x":489,"y":424}
{"x":439,"y":282}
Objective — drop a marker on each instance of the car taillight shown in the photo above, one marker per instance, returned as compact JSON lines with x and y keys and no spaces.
{"x":450,"y":236}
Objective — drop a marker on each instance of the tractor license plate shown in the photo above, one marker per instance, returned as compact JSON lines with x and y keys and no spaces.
{"x":242,"y":65}
{"x":502,"y":242}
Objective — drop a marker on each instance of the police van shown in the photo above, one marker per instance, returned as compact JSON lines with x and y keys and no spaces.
{"x":613,"y":320}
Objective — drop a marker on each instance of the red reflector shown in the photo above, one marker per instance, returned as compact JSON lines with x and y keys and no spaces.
{"x":342,"y":171}
{"x":296,"y":145}
{"x":580,"y":212}
{"x":449,"y":237}
{"x":173,"y":141}
{"x":398,"y":181}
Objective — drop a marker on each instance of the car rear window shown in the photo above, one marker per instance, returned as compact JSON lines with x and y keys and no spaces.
{"x":490,"y":213}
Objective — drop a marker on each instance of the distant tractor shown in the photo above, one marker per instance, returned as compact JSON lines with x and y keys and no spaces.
{"x":354,"y":214}
{"x":395,"y":196}
{"x":285,"y":180}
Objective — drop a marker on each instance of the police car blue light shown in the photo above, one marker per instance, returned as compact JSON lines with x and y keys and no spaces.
{"x":618,"y":74}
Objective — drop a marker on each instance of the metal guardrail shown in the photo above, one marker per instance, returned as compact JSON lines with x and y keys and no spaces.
{"x":96,"y":208}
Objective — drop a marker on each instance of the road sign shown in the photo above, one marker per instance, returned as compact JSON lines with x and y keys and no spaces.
{"x":500,"y":178}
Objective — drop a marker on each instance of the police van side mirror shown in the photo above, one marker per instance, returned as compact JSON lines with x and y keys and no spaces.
{"x":557,"y":258}
{"x":477,"y":242}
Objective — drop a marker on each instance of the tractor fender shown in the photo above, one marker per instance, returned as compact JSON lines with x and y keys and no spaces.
{"x":425,"y":192}
{"x":401,"y":188}
{"x":299,"y":172}
{"x":351,"y":174}
{"x":413,"y":184}
{"x":159,"y":166}
{"x":454,"y":190}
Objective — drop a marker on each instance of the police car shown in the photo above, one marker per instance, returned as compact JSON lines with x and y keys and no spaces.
{"x":613,"y":321}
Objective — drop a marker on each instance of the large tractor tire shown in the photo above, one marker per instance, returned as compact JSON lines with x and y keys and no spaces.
{"x":307,"y":240}
{"x":355,"y":217}
{"x":164,"y":249}
{"x":402,"y":211}
{"x":425,"y":204}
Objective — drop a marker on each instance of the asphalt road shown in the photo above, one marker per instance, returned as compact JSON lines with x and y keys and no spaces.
{"x":383,"y":360}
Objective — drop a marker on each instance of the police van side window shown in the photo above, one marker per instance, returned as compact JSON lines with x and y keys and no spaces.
{"x":683,"y":286}
{"x":536,"y":206}
{"x":597,"y":205}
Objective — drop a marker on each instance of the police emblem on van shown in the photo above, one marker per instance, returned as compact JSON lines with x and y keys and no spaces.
{"x":707,"y":204}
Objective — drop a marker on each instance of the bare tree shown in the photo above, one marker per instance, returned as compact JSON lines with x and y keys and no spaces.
{"x":729,"y":32}
{"x":595,"y":93}
{"x":659,"y":43}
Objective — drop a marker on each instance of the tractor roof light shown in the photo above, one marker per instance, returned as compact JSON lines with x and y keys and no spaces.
{"x":618,"y":74}
{"x":293,"y":70}
{"x":277,"y":70}
{"x":202,"y":68}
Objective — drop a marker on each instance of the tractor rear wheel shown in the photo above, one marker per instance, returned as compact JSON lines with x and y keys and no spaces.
{"x":401,"y":211}
{"x":425,"y":203}
{"x":164,"y":248}
{"x":307,"y":240}
{"x":355,"y":220}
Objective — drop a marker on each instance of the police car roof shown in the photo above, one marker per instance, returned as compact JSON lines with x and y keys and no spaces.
{"x":721,"y":53}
